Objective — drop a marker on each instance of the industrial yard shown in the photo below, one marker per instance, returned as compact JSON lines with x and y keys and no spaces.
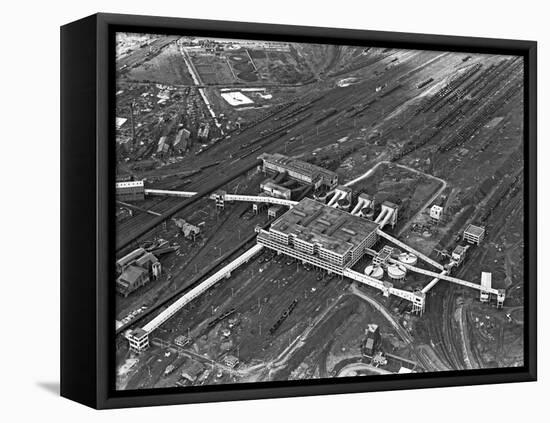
{"x":296,"y":211}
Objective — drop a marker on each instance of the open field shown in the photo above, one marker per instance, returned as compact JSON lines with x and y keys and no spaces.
{"x":168,"y":67}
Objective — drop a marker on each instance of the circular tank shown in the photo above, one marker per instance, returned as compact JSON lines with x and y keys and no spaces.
{"x":377,"y":272}
{"x":344,"y":204}
{"x":374,"y":272}
{"x":408,"y":258}
{"x":369,"y":269}
{"x":397,"y":272}
{"x":321,"y":196}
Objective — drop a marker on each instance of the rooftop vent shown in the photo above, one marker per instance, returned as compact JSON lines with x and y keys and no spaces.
{"x":349,"y":231}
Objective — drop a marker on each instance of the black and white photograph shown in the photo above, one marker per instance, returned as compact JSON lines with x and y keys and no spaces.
{"x":291,"y":211}
{"x":275,"y":211}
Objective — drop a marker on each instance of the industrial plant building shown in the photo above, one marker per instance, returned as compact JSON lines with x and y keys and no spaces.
{"x":436,"y":212}
{"x":299,"y":170}
{"x":188,"y":230}
{"x":130,"y":191}
{"x":136,"y":269}
{"x":181,"y":142}
{"x":321,"y":235}
{"x":372,"y":341}
{"x":474,"y":234}
{"x":275,"y":190}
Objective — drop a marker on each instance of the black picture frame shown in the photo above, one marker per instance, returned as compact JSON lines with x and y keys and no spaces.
{"x":87,"y":196}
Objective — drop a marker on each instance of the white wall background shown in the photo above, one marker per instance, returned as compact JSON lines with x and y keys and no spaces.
{"x":29,"y":287}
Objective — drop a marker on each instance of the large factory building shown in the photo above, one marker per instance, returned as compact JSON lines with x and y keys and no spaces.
{"x":323,"y":236}
{"x":299,"y":170}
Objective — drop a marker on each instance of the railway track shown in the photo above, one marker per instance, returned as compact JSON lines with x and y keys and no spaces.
{"x":214,"y":182}
{"x":448,"y":348}
{"x":482,"y":94}
{"x":437,"y":332}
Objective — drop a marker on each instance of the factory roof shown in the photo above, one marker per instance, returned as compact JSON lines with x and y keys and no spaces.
{"x":192,"y":370}
{"x":459,"y":249}
{"x":298,"y":166}
{"x":182,"y":134}
{"x":475,"y":230}
{"x":316,"y":223}
{"x":486,"y":278}
{"x":146,"y":259}
{"x":120,"y":121}
{"x":139,"y":332}
{"x":133,"y":255}
{"x":231,"y":361}
{"x":270,"y":184}
{"x":132,"y":273}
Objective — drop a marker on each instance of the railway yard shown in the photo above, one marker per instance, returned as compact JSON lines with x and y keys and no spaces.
{"x":197,"y":121}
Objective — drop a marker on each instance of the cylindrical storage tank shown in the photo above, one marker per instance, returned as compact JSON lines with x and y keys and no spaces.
{"x":396,"y":272}
{"x":344,"y":204}
{"x":370,"y":214}
{"x":369,"y":269}
{"x":321,"y":196}
{"x":408,"y":258}
{"x":377,"y":272}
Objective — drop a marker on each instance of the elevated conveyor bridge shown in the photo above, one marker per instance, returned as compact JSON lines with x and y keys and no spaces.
{"x":410,"y":249}
{"x":202,"y":287}
{"x":227,"y":197}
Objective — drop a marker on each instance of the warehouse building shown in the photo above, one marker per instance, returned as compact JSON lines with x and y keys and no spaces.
{"x":323,"y":236}
{"x":299,"y":170}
